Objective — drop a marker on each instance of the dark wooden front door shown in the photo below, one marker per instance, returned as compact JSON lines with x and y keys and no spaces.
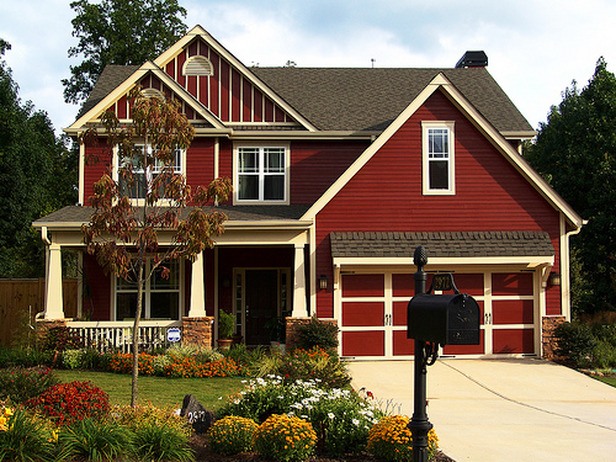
{"x":261,"y":305}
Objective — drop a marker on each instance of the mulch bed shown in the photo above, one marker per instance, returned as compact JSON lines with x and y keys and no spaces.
{"x":203,"y":454}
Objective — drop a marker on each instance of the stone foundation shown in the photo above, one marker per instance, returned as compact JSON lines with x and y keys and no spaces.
{"x":198,"y":331}
{"x":291,"y":326}
{"x":549,"y":342}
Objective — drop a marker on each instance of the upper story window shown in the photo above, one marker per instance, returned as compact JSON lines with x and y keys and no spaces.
{"x":438,"y":158}
{"x":261,"y":174}
{"x":142,"y":176}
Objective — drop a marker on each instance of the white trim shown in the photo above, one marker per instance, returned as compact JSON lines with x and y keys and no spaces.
{"x":426,"y":126}
{"x":82,"y":169}
{"x":287,"y":172}
{"x":529,"y":261}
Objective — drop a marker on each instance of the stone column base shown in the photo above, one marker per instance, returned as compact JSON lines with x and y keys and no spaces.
{"x":44,"y":326}
{"x":198,"y":331}
{"x":548,"y":339}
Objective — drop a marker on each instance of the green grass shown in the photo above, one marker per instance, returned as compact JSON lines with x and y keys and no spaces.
{"x":160,"y":391}
{"x":609,"y":380}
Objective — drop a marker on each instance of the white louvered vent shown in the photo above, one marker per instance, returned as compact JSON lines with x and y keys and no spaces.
{"x":197,"y":65}
{"x":152,"y":93}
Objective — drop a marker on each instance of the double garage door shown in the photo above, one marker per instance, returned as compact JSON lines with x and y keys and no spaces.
{"x":372,"y":314}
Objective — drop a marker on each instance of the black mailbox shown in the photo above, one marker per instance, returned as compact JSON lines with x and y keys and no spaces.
{"x":444,"y":319}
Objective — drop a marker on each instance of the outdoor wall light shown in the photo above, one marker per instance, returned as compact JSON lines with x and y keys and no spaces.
{"x":323,"y":282}
{"x":554,"y":279}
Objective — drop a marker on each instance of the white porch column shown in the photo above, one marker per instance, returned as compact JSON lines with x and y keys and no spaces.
{"x":54,"y":302}
{"x":299,"y":290}
{"x":197,"y":289}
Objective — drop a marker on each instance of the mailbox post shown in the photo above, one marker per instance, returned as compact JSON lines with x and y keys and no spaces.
{"x":435,"y":320}
{"x":419,"y":424}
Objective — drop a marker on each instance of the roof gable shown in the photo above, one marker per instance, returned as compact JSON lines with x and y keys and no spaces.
{"x":440,"y":82}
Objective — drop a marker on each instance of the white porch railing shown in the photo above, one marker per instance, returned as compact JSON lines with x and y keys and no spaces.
{"x":107,"y":336}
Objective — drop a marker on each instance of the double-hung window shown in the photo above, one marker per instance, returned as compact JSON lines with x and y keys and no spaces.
{"x":438,"y":158}
{"x":161,"y":297}
{"x":261,"y":174}
{"x":143,"y":176}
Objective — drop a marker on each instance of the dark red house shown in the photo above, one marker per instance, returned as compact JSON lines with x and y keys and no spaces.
{"x":338,"y":174}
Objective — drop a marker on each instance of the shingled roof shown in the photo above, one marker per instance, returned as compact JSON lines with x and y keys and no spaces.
{"x":442,"y":244}
{"x":359,"y":99}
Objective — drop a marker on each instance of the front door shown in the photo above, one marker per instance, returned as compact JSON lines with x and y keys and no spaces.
{"x":261,"y":305}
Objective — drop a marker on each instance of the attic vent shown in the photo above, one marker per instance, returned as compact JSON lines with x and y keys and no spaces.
{"x":152,"y":93}
{"x":197,"y":65}
{"x":473,"y":59}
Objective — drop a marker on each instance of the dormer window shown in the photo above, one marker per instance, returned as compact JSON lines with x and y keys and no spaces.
{"x":438,"y":158}
{"x":198,"y":65}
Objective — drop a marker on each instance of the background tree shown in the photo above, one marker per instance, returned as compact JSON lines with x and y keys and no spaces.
{"x":118,"y":32}
{"x":37,"y":176}
{"x":125,"y":237}
{"x":576,"y":152}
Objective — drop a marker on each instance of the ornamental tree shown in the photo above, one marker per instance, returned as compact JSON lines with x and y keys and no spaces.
{"x":148,"y":200}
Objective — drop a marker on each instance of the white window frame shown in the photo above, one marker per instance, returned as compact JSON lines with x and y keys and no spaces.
{"x":261,"y":147}
{"x":148,"y":291}
{"x":139,"y":201}
{"x":426,"y":127}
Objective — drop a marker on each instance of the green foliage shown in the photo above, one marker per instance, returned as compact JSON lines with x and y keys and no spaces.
{"x":231,"y":435}
{"x":285,"y":438}
{"x":37,"y":176}
{"x":25,"y":357}
{"x":95,"y":440}
{"x":340,"y":418}
{"x":26,"y":438}
{"x":19,"y":384}
{"x":118,"y":32}
{"x":317,"y":333}
{"x":576,"y":152}
{"x":60,"y":339}
{"x":314,"y":364}
{"x":66,"y":403}
{"x":226,"y":324}
{"x":576,"y":343}
{"x":158,"y":442}
{"x":390,"y":440}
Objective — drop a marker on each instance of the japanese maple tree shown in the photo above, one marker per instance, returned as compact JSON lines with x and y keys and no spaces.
{"x":147,"y":212}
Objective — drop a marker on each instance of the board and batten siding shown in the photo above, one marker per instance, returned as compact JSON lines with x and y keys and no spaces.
{"x":386,"y":194}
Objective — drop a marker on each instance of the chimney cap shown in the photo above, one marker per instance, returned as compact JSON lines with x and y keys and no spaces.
{"x":473,"y":59}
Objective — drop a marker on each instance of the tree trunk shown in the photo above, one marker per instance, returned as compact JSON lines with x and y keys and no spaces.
{"x":134,"y":386}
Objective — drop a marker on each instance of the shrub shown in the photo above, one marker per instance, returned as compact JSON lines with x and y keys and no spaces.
{"x":24,"y":437}
{"x":576,"y":343}
{"x":317,"y":333}
{"x":154,"y":441}
{"x":285,"y":438}
{"x":61,"y":338}
{"x":67,"y":403}
{"x":315,"y":363}
{"x":123,"y":363}
{"x":20,"y":384}
{"x":390,"y":440}
{"x":226,"y":324}
{"x":604,"y":355}
{"x":135,"y":417}
{"x":25,"y":357}
{"x":83,"y":358}
{"x":231,"y":435}
{"x":95,"y":440}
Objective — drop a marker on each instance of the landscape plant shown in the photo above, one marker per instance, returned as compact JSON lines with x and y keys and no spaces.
{"x":390,"y":440}
{"x":317,"y":333}
{"x":95,"y":440}
{"x":285,"y":438}
{"x":231,"y":435}
{"x":25,"y":437}
{"x":316,"y":363}
{"x":67,"y":403}
{"x":20,"y":384}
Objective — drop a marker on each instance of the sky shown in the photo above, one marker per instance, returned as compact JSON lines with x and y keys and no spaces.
{"x":535,"y":48}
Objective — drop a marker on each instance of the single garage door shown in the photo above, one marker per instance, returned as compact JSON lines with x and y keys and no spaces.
{"x":372,"y":314}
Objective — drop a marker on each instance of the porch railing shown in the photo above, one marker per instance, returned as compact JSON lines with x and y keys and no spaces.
{"x":106,"y":336}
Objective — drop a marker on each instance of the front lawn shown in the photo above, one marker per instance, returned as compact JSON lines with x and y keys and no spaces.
{"x":160,"y":391}
{"x":609,"y":380}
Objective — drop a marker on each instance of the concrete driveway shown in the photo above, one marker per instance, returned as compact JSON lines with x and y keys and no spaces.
{"x":504,"y":410}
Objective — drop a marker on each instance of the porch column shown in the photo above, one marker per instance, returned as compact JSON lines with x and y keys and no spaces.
{"x":299,"y":290}
{"x":197,"y":289}
{"x":54,"y":303}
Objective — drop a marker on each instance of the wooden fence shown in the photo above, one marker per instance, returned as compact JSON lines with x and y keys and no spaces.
{"x":21,"y":299}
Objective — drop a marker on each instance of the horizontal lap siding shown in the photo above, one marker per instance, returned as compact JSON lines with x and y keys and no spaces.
{"x":315,"y":166}
{"x":386,"y":194}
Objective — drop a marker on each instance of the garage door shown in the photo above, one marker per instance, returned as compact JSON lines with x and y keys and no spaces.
{"x":372,"y":314}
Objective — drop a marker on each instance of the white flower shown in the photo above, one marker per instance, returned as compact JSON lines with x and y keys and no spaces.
{"x":331,"y":416}
{"x":355,"y":422}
